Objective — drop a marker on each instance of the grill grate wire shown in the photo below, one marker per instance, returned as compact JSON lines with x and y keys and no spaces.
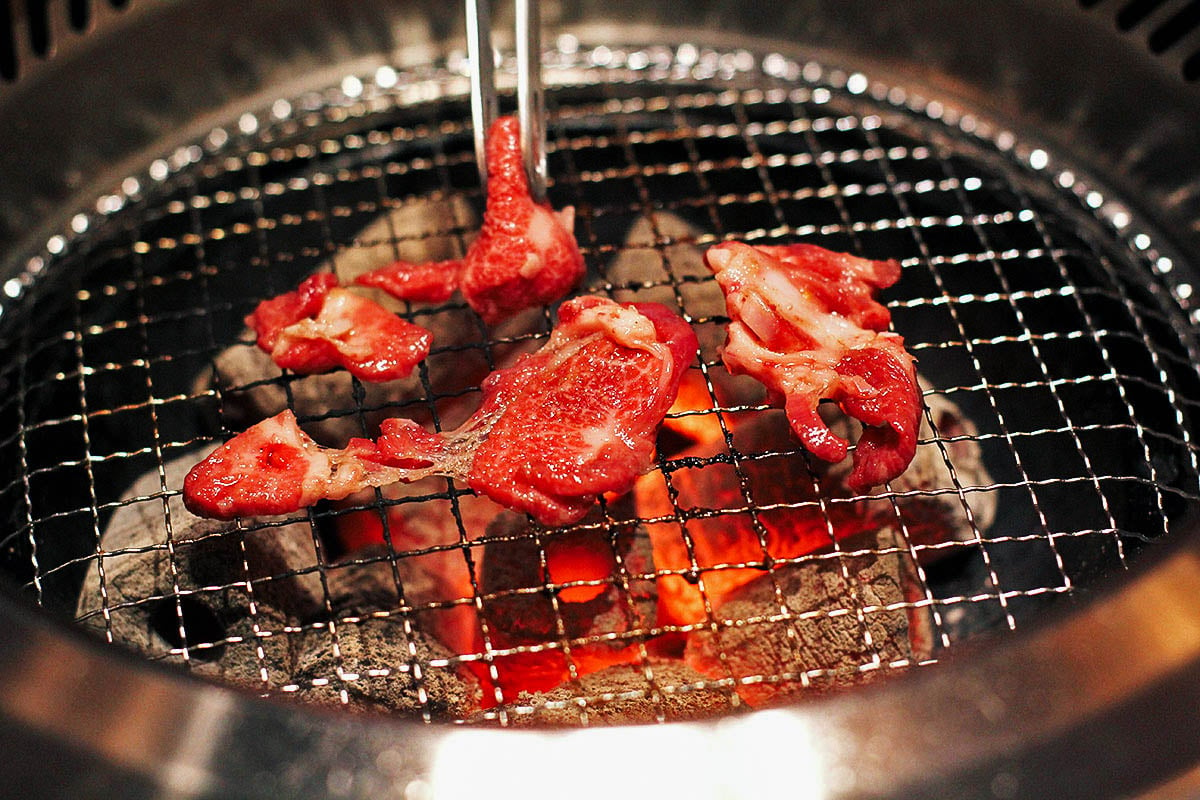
{"x":1060,"y":342}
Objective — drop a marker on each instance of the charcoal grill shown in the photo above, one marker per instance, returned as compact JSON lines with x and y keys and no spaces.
{"x":1041,"y":199}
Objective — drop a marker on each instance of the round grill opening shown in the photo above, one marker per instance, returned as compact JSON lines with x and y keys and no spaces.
{"x":1058,"y":372}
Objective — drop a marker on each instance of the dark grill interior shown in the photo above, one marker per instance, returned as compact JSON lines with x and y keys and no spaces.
{"x":34,"y":28}
{"x":1033,"y":304}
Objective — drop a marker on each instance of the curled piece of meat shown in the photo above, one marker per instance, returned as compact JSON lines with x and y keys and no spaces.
{"x":525,"y":254}
{"x":805,"y":323}
{"x":319,"y":326}
{"x":561,"y":426}
{"x":573,"y":420}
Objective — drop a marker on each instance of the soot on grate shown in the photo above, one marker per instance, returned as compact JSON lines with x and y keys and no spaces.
{"x":1058,"y":374}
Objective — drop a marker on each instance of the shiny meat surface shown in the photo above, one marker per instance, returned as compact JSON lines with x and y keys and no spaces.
{"x":319,"y":327}
{"x":525,"y":254}
{"x":276,"y":468}
{"x":429,"y":282}
{"x":805,"y":323}
{"x":575,"y":419}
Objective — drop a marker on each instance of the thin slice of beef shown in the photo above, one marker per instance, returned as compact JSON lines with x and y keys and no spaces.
{"x":319,"y":326}
{"x":804,"y":321}
{"x":554,"y":431}
{"x":276,"y":468}
{"x":525,"y":255}
{"x":571,"y":421}
{"x":336,"y":406}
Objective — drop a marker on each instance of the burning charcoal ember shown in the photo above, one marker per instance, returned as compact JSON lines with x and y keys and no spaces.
{"x":512,"y":563}
{"x":691,"y":422}
{"x":525,"y":254}
{"x":622,"y":695}
{"x":612,"y":605}
{"x":382,"y":666}
{"x":726,"y":523}
{"x":203,"y":588}
{"x":804,"y":321}
{"x":828,"y":640}
{"x":427,"y":542}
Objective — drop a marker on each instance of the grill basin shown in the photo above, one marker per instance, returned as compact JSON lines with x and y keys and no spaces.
{"x":962,"y":728}
{"x":1032,"y":302}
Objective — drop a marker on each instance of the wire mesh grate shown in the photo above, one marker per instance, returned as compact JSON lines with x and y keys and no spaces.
{"x":1058,"y":372}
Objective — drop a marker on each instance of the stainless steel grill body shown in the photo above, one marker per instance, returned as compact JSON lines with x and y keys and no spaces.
{"x":1047,"y":288}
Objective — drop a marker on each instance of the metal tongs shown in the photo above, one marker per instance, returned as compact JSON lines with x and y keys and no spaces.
{"x":531,"y":108}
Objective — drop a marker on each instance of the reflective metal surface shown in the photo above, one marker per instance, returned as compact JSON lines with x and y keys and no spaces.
{"x":1077,"y":708}
{"x":1097,"y":700}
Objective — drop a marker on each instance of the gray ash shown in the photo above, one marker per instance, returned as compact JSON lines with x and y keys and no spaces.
{"x":626,"y":694}
{"x":843,"y":620}
{"x":381,"y":664}
{"x":211,"y":579}
{"x":245,"y":605}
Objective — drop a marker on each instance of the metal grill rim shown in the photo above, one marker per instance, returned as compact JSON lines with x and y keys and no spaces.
{"x":800,"y":93}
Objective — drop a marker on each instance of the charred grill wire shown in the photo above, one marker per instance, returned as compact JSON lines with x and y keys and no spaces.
{"x":1034,"y":304}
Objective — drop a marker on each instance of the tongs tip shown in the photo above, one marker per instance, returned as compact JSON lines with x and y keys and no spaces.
{"x":530,"y":98}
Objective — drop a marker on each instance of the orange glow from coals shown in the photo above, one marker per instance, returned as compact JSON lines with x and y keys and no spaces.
{"x":738,"y":517}
{"x":700,"y":428}
{"x":570,"y":559}
{"x":544,"y":670}
{"x":358,"y":530}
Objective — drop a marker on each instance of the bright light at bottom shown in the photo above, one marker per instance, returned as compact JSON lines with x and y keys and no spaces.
{"x":766,"y":754}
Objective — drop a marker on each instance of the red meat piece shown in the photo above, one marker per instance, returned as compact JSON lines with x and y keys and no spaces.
{"x":573,"y":420}
{"x":271,"y":316}
{"x":276,"y":468}
{"x":525,"y":254}
{"x":430,"y":282}
{"x":561,"y":426}
{"x":804,"y":322}
{"x":319,"y":327}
